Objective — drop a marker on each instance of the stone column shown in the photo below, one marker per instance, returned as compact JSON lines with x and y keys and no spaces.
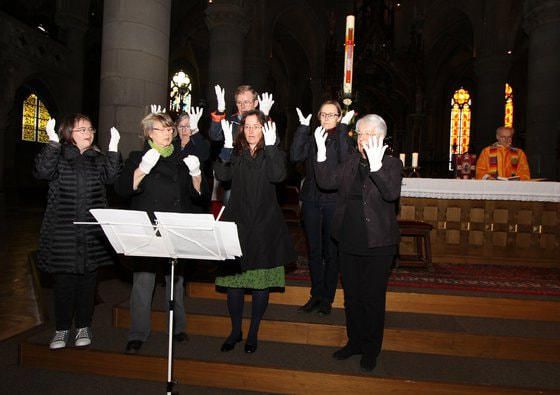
{"x":228,"y":26}
{"x":542,"y":23}
{"x":72,"y":16}
{"x":488,"y":105}
{"x":134,"y":67}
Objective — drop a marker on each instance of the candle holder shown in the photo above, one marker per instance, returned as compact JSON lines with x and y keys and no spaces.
{"x":411,"y":172}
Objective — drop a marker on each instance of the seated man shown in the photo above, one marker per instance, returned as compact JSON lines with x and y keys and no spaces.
{"x":502,"y":160}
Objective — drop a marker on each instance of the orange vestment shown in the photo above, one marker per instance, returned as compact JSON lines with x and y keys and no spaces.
{"x":504,"y":163}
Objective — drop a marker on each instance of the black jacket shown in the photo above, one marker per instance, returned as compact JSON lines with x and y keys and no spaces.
{"x":76,"y":185}
{"x":304,"y":148}
{"x":381,"y":192}
{"x":253,"y":206}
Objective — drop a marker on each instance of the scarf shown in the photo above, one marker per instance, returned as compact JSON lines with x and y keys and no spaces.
{"x":493,"y":159}
{"x":163,"y":151}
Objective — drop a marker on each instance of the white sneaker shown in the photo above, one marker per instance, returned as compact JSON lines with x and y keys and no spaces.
{"x":59,"y":339}
{"x":83,"y":337}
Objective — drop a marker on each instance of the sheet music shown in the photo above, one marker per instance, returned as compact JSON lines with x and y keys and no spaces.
{"x":175,"y":235}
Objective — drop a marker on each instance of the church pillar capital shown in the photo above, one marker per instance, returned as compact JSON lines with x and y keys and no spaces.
{"x":540,"y":12}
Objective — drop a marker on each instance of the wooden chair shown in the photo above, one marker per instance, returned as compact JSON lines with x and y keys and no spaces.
{"x":420,"y":231}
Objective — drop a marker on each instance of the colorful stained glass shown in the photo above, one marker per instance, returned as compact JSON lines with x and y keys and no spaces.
{"x":460,"y":125}
{"x":34,"y":120}
{"x":508,"y":117}
{"x":180,"y":92}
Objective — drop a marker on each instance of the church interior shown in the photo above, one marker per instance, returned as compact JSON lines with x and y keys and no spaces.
{"x":443,"y":74}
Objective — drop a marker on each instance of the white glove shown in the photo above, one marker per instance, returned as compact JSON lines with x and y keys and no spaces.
{"x":321,"y":140}
{"x":228,"y":133}
{"x":269,"y":133}
{"x":265,"y":102}
{"x":220,"y":95}
{"x":375,"y":150}
{"x":51,"y":132}
{"x":303,"y":120}
{"x":347,"y":117}
{"x":114,"y":141}
{"x":195,"y":113}
{"x":193,"y":164}
{"x":149,"y":160}
{"x":156,"y":108}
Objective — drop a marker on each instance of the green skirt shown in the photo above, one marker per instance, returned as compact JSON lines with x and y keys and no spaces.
{"x":254,"y":279}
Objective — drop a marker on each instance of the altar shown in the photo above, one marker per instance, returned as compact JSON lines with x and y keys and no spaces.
{"x":493,"y":222}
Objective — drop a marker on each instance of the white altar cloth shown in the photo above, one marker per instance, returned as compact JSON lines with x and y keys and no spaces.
{"x":436,"y":188}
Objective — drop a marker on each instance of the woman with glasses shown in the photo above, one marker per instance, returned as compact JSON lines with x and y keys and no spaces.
{"x":192,"y":142}
{"x":254,"y":165}
{"x":318,"y":204}
{"x":77,"y":172}
{"x":158,"y":178}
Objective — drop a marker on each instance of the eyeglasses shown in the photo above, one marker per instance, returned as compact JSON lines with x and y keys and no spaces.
{"x":327,"y":115}
{"x":183,"y":128}
{"x":244,"y":102}
{"x":370,"y":133}
{"x":252,"y":127}
{"x":505,"y":137}
{"x":164,"y":130}
{"x":85,"y":130}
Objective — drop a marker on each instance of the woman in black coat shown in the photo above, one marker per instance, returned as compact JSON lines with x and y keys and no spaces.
{"x":318,"y":204}
{"x":256,"y":165}
{"x":366,"y":229}
{"x":77,"y":172}
{"x":158,"y":178}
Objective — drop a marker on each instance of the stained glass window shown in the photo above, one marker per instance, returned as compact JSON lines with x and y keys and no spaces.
{"x":180,"y":92}
{"x":460,"y":129}
{"x":34,"y":120}
{"x":508,"y":117}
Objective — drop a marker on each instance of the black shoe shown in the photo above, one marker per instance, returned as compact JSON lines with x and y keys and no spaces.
{"x":367,"y":363}
{"x":345,"y":352}
{"x":226,"y":347}
{"x":133,"y":346}
{"x":181,"y":337}
{"x":250,"y":348}
{"x":312,"y":304}
{"x":324,"y":309}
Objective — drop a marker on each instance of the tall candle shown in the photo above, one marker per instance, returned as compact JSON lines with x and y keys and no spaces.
{"x":403,"y":159}
{"x":348,"y":55}
{"x":415,"y":159}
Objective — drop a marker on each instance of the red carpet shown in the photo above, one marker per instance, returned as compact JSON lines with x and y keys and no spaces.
{"x":480,"y":278}
{"x":468,"y":277}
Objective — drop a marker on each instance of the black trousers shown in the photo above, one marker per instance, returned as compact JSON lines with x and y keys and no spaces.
{"x":364,"y":279}
{"x":74,"y":296}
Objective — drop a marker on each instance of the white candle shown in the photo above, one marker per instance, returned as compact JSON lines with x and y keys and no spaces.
{"x":348,"y":55}
{"x":403,"y":159}
{"x":415,"y":159}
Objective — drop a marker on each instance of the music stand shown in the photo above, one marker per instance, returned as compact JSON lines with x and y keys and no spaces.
{"x":174,"y":236}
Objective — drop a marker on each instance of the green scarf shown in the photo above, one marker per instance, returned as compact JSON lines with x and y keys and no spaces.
{"x":165,"y":152}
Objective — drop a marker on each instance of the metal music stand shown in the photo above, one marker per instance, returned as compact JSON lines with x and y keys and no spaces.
{"x":174,"y":236}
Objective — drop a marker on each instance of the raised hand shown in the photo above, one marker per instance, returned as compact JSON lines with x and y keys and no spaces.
{"x":303,"y":120}
{"x":114,"y":141}
{"x":228,"y":133}
{"x":51,"y":132}
{"x":149,"y":160}
{"x":156,"y":108}
{"x":374,"y":150}
{"x":265,"y":102}
{"x":269,"y":133}
{"x":195,"y":113}
{"x":321,"y":141}
{"x":220,"y":96}
{"x":193,"y":163}
{"x":347,"y":117}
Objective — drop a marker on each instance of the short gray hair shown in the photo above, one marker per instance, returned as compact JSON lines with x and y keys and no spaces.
{"x":374,"y":120}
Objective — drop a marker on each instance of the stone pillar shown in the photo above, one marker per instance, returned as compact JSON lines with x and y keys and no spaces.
{"x":134,"y":67}
{"x":72,"y":16}
{"x":256,"y":72}
{"x":227,"y":26}
{"x":488,"y":105}
{"x":542,"y":24}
